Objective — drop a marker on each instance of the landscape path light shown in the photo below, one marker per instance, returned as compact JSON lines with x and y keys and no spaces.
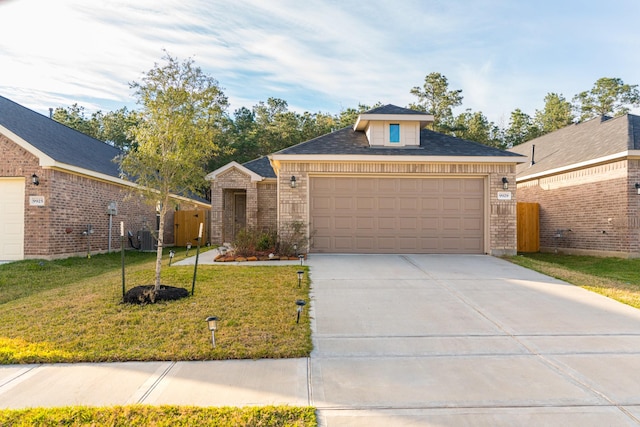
{"x":172,"y":253}
{"x":212,"y":322}
{"x":300,"y":303}
{"x":301,"y":258}
{"x":188,"y":247}
{"x":300,"y":275}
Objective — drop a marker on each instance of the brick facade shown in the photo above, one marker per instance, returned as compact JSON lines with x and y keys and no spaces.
{"x":501,"y":214}
{"x":260,"y":204}
{"x":72,"y":202}
{"x":595,"y":210}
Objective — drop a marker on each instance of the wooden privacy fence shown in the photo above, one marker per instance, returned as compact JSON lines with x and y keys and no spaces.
{"x":187,"y":224}
{"x":528,"y":227}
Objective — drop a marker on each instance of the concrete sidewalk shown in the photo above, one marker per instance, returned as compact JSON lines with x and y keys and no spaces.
{"x":213,"y":383}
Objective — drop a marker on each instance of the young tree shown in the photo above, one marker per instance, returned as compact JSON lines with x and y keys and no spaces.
{"x":521,"y":129}
{"x":608,"y":96}
{"x":435,"y":98}
{"x":75,"y":118}
{"x":180,"y":118}
{"x":475,"y":126}
{"x":557,"y":113}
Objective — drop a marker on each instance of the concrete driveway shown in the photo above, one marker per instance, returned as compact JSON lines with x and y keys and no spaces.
{"x":466,"y":340}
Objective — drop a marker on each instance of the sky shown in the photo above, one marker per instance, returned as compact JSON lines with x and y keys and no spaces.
{"x":319,"y":56}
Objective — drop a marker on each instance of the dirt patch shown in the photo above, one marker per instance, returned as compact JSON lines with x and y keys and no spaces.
{"x":147,"y":295}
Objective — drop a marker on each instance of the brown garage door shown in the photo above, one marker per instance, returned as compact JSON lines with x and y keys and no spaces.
{"x":397,"y":215}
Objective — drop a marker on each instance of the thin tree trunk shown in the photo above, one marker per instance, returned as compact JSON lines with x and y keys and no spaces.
{"x":160,"y":245}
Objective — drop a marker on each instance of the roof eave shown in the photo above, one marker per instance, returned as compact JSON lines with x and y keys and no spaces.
{"x":396,"y":158}
{"x":629,"y":154}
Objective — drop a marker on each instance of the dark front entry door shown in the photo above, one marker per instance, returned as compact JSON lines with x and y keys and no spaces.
{"x":239,"y":212}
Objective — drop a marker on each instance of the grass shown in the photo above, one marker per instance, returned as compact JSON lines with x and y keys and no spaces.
{"x":615,"y":278}
{"x":71,"y":311}
{"x":169,"y":416}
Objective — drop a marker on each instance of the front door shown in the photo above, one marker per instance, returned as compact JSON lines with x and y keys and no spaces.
{"x":239,"y":212}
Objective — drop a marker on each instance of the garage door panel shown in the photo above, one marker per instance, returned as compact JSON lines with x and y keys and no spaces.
{"x":365,"y":223}
{"x":365,"y":203}
{"x":410,"y":204}
{"x":398,"y":215}
{"x":385,"y":223}
{"x":319,"y":203}
{"x":386,"y":203}
{"x":12,"y":197}
{"x":343,"y":223}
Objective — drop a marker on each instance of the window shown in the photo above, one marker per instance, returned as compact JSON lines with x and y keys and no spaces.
{"x":394,"y":132}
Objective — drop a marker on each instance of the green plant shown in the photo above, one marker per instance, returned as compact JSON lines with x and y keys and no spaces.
{"x":244,"y":243}
{"x":164,"y":415}
{"x":293,"y":239}
{"x":267,"y":240}
{"x":87,"y":322}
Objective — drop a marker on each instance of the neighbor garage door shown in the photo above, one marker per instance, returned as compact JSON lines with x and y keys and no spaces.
{"x":397,"y":215}
{"x":11,"y":219}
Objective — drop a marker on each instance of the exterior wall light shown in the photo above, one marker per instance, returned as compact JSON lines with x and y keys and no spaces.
{"x":505,"y":183}
{"x":300,"y":303}
{"x":293,"y":181}
{"x":637,"y":187}
{"x":35,"y":180}
{"x":212,"y":322}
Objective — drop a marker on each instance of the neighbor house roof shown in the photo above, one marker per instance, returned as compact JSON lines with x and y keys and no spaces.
{"x":578,"y":144}
{"x":54,"y":143}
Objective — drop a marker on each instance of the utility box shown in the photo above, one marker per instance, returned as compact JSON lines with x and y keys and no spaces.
{"x":146,"y":241}
{"x":112,"y":209}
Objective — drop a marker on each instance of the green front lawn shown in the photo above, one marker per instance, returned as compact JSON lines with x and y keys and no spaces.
{"x":615,"y":278}
{"x":71,"y":311}
{"x":169,"y":416}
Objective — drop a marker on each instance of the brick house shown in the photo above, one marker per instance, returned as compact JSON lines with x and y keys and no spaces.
{"x":56,"y":184}
{"x":585,"y":178}
{"x":385,"y":185}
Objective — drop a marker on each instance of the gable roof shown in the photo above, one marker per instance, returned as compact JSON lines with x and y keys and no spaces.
{"x":391,"y":112}
{"x":580,"y":143}
{"x":394,"y":109}
{"x":347,"y":141}
{"x":261,"y":166}
{"x":53,"y":143}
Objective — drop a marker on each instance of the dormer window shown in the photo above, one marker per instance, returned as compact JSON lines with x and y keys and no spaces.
{"x":394,"y":132}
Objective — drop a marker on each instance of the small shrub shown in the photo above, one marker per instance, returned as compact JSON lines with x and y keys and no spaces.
{"x":267,"y":240}
{"x":293,"y":239}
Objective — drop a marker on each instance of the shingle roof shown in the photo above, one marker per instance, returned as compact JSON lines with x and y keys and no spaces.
{"x":349,"y":142}
{"x":261,"y":166}
{"x":61,"y":143}
{"x":593,"y":139}
{"x":393,"y":109}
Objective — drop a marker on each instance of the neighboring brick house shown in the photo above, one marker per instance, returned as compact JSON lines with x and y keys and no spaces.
{"x":585,"y":178}
{"x":387,"y":185}
{"x":55,"y":182}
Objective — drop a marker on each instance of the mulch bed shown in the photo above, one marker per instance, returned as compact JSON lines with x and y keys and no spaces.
{"x":146,"y":295}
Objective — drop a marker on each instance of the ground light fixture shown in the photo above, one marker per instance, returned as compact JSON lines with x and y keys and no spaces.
{"x":212,"y":322}
{"x":188,"y":247}
{"x":172,"y":253}
{"x":300,"y":303}
{"x":300,"y":275}
{"x":301,"y":258}
{"x":505,"y":183}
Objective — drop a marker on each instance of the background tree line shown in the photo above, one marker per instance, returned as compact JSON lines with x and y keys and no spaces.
{"x":269,"y":126}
